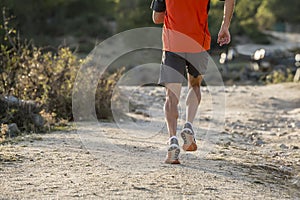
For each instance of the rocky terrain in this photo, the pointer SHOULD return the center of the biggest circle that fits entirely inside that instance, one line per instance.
(254, 155)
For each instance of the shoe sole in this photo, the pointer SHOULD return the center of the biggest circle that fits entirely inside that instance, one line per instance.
(173, 153)
(188, 140)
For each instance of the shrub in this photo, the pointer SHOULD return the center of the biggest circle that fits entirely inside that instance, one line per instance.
(280, 76)
(104, 94)
(41, 83)
(28, 73)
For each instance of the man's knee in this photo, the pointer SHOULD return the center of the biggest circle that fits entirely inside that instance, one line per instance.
(194, 87)
(171, 99)
(195, 82)
(171, 102)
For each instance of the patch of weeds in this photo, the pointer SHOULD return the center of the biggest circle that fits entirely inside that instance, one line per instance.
(7, 158)
(21, 138)
(65, 127)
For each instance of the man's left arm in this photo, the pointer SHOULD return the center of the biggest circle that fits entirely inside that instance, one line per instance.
(159, 10)
(158, 17)
(224, 34)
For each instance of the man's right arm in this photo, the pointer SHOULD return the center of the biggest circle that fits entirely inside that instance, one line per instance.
(228, 12)
(224, 34)
(159, 10)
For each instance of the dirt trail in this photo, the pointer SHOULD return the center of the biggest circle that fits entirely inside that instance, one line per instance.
(256, 155)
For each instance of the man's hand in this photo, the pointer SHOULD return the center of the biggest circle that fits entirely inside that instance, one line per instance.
(224, 36)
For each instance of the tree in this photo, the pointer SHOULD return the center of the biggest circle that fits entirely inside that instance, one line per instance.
(285, 11)
(264, 17)
(133, 14)
(47, 20)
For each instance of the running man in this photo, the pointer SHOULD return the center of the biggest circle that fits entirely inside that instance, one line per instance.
(186, 39)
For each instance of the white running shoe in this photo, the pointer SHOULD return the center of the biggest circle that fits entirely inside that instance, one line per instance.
(188, 136)
(173, 152)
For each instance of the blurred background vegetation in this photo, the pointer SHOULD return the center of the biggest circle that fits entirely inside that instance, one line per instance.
(43, 41)
(81, 24)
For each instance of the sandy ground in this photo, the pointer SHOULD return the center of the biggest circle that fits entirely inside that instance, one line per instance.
(255, 155)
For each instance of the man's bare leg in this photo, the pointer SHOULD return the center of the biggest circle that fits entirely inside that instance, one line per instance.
(171, 106)
(192, 102)
(193, 98)
(171, 113)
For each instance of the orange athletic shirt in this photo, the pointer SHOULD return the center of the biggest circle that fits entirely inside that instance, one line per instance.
(185, 26)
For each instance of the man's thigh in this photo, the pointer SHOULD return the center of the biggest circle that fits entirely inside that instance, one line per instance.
(173, 68)
(197, 63)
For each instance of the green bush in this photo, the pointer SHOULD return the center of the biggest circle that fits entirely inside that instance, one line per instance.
(28, 73)
(280, 76)
(104, 94)
(250, 28)
(42, 82)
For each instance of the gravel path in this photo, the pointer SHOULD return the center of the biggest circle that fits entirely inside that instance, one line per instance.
(255, 156)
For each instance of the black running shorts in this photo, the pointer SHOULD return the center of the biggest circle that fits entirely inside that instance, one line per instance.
(175, 66)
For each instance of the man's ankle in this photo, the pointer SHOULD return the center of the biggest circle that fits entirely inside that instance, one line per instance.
(173, 140)
(173, 137)
(187, 122)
